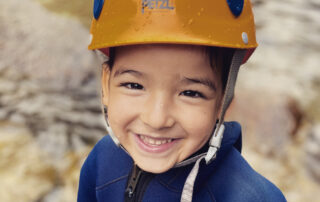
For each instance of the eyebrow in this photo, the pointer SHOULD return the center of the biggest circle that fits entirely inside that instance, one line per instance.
(203, 81)
(127, 71)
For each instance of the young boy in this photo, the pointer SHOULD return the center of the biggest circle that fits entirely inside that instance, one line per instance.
(167, 84)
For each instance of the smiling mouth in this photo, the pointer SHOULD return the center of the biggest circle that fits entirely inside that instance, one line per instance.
(155, 141)
(154, 145)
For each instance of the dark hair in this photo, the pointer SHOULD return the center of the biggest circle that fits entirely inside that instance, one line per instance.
(222, 59)
(112, 53)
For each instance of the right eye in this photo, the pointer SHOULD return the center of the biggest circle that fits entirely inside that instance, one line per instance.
(134, 86)
(192, 94)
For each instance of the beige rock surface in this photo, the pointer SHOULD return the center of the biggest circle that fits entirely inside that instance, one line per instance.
(49, 103)
(28, 173)
(24, 171)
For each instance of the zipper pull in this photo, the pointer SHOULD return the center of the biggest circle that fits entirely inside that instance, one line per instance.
(133, 180)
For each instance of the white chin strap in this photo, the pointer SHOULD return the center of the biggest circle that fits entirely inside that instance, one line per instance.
(216, 139)
(109, 129)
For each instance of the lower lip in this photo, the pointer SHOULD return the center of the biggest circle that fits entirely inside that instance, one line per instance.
(154, 148)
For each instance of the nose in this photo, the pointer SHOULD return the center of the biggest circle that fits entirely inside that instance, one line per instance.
(156, 112)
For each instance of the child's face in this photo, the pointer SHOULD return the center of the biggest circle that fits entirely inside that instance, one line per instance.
(162, 101)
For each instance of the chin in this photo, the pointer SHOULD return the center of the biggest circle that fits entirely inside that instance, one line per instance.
(155, 168)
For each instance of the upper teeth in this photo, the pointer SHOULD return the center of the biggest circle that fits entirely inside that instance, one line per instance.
(152, 141)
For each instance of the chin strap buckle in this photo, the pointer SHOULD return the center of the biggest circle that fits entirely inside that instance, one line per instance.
(215, 143)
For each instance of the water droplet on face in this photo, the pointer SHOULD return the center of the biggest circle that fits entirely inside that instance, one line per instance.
(202, 9)
(199, 13)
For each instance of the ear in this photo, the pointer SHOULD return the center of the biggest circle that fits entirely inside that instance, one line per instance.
(105, 76)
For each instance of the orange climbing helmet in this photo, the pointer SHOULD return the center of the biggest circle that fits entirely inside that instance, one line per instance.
(221, 23)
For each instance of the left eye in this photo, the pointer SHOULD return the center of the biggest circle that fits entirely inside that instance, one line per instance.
(193, 94)
(135, 86)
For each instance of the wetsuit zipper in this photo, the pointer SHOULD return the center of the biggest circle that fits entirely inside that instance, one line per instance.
(137, 184)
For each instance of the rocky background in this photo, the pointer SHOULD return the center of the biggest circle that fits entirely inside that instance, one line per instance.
(50, 101)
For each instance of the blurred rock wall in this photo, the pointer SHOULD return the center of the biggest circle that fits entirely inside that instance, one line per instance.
(50, 101)
(277, 97)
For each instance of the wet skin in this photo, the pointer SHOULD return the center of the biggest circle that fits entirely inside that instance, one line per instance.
(162, 101)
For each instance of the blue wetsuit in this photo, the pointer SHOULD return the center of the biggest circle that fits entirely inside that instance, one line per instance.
(108, 170)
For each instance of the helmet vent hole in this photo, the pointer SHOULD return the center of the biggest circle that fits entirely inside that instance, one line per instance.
(236, 6)
(97, 7)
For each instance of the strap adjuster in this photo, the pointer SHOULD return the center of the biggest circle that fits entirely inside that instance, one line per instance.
(215, 143)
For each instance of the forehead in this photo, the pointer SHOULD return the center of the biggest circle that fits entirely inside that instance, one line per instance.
(166, 63)
(157, 55)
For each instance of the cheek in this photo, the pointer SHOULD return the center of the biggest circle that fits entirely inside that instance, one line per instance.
(199, 122)
(120, 112)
